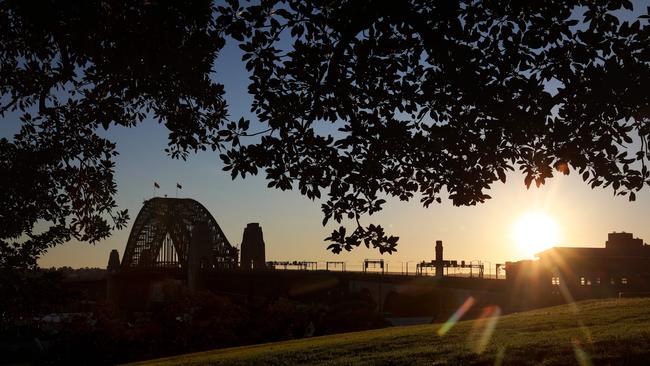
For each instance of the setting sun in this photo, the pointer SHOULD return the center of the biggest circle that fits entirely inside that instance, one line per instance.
(534, 232)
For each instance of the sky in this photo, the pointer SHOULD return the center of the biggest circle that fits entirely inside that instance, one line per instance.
(291, 223)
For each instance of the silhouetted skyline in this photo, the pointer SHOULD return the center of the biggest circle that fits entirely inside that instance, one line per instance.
(292, 222)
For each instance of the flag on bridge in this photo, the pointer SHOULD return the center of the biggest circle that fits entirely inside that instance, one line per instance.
(179, 186)
(156, 185)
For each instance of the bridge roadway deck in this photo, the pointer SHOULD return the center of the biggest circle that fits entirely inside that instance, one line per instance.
(313, 285)
(219, 275)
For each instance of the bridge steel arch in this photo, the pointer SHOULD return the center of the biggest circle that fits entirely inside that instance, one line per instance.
(161, 237)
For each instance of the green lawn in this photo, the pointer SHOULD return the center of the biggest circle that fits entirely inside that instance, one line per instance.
(615, 331)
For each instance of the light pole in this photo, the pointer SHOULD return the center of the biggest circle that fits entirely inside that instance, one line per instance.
(489, 268)
(479, 264)
(407, 267)
(471, 267)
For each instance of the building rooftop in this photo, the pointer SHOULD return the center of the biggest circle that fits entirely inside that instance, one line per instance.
(617, 245)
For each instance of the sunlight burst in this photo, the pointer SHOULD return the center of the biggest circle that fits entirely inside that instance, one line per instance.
(534, 232)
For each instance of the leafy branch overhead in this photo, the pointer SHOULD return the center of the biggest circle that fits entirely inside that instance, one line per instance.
(367, 99)
(70, 69)
(354, 101)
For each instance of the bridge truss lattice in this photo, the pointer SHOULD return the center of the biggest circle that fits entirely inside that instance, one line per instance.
(161, 236)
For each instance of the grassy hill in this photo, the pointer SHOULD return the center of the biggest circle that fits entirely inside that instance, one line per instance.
(615, 331)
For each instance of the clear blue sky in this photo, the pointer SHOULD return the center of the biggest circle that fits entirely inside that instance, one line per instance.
(292, 223)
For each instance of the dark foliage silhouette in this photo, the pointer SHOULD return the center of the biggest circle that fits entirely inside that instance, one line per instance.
(69, 69)
(355, 100)
(434, 96)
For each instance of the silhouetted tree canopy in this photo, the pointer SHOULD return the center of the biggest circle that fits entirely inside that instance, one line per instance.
(72, 68)
(354, 100)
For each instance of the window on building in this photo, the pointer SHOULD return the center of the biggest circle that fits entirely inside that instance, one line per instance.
(623, 281)
(582, 281)
(597, 280)
(612, 281)
(555, 281)
(588, 281)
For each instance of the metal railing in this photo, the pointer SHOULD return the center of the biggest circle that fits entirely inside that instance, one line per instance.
(395, 268)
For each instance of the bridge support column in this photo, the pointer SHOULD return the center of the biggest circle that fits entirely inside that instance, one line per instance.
(111, 282)
(198, 254)
(439, 261)
(252, 247)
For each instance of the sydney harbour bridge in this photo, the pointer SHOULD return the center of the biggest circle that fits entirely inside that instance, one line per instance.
(177, 233)
(178, 239)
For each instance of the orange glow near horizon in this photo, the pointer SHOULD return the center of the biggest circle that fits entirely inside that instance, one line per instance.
(534, 232)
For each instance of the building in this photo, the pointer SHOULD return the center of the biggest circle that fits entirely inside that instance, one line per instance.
(621, 267)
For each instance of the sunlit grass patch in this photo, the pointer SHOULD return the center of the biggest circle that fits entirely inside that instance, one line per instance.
(602, 331)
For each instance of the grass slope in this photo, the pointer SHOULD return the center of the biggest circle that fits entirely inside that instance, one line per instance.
(615, 331)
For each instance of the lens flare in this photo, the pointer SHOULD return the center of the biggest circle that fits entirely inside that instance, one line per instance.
(568, 297)
(501, 354)
(456, 316)
(487, 321)
(581, 356)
